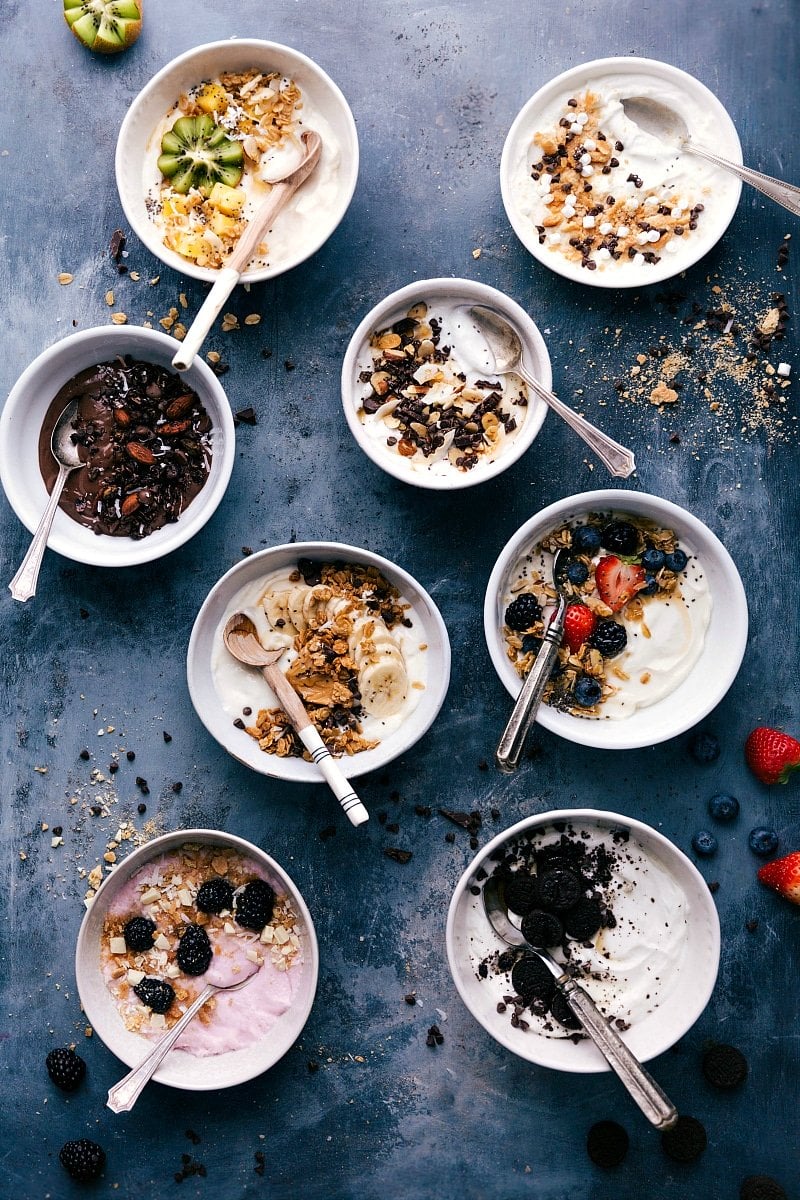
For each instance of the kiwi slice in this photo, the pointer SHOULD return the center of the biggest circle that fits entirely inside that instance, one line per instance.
(196, 153)
(105, 26)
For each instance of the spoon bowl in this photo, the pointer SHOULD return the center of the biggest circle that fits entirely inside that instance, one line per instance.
(506, 346)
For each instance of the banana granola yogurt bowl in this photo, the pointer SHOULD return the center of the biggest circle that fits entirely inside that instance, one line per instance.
(420, 392)
(595, 197)
(207, 138)
(190, 908)
(364, 646)
(656, 619)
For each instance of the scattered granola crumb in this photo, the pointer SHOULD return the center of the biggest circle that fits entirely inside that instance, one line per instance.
(64, 278)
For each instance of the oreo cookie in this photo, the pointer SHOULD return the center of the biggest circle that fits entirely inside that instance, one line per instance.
(761, 1187)
(521, 893)
(531, 979)
(542, 928)
(559, 889)
(583, 921)
(685, 1141)
(607, 1144)
(724, 1066)
(561, 1011)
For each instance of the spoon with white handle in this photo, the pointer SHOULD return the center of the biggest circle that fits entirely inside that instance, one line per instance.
(65, 452)
(243, 251)
(641, 1086)
(123, 1095)
(506, 346)
(241, 639)
(669, 126)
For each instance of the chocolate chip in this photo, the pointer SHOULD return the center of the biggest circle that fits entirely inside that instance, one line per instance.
(410, 998)
(177, 786)
(85, 755)
(141, 808)
(246, 416)
(167, 736)
(117, 244)
(130, 755)
(399, 856)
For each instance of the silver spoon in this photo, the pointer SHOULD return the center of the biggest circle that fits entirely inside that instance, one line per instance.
(506, 346)
(655, 1105)
(527, 703)
(65, 452)
(123, 1095)
(669, 126)
(241, 639)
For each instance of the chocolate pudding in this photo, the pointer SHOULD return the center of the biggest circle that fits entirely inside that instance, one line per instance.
(144, 439)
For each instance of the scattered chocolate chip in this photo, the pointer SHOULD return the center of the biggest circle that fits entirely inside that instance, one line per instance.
(84, 613)
(238, 722)
(713, 887)
(117, 244)
(607, 1144)
(399, 856)
(245, 416)
(193, 1137)
(423, 810)
(167, 736)
(288, 364)
(95, 810)
(130, 755)
(450, 837)
(57, 831)
(141, 808)
(177, 787)
(435, 1036)
(675, 439)
(142, 785)
(247, 712)
(313, 1066)
(85, 755)
(494, 813)
(752, 925)
(247, 551)
(410, 998)
(113, 767)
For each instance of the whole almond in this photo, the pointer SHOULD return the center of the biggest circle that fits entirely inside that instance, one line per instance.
(140, 453)
(173, 427)
(130, 504)
(179, 405)
(122, 416)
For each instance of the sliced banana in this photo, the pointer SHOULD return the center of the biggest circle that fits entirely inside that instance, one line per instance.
(276, 606)
(384, 687)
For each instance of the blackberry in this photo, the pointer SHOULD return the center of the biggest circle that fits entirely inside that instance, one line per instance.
(609, 637)
(542, 928)
(586, 539)
(531, 979)
(723, 807)
(82, 1159)
(65, 1068)
(653, 560)
(704, 843)
(583, 921)
(194, 951)
(559, 889)
(562, 1012)
(607, 1144)
(254, 905)
(587, 692)
(620, 537)
(139, 933)
(685, 1141)
(676, 561)
(704, 748)
(214, 895)
(523, 612)
(761, 1187)
(521, 893)
(724, 1066)
(157, 994)
(763, 842)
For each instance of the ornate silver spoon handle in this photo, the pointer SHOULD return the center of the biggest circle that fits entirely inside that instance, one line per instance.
(617, 458)
(659, 1110)
(785, 194)
(23, 585)
(522, 717)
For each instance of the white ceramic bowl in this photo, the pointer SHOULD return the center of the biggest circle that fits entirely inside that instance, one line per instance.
(470, 938)
(206, 642)
(21, 422)
(708, 121)
(190, 1072)
(725, 640)
(138, 148)
(372, 438)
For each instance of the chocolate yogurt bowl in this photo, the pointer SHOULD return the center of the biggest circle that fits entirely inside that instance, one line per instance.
(278, 999)
(644, 210)
(364, 644)
(309, 218)
(192, 461)
(653, 663)
(420, 353)
(649, 955)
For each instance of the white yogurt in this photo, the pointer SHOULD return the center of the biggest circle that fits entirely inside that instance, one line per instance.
(471, 357)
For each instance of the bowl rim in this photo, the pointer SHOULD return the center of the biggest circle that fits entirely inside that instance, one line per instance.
(123, 871)
(144, 230)
(532, 341)
(305, 772)
(103, 550)
(589, 732)
(624, 63)
(641, 830)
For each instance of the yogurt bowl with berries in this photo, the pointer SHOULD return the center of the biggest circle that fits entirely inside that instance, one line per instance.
(655, 625)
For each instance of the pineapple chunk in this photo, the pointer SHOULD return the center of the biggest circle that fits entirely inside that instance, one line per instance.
(213, 98)
(224, 227)
(175, 206)
(190, 245)
(227, 199)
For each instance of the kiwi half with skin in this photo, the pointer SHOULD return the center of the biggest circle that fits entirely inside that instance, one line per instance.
(196, 153)
(105, 26)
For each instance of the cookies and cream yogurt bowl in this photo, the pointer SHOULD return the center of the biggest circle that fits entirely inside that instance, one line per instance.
(420, 392)
(656, 624)
(598, 199)
(363, 643)
(641, 934)
(136, 974)
(240, 107)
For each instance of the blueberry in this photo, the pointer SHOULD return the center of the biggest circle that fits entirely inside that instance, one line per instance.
(620, 537)
(653, 560)
(704, 843)
(531, 643)
(676, 561)
(587, 692)
(651, 586)
(577, 572)
(704, 747)
(723, 808)
(763, 842)
(586, 539)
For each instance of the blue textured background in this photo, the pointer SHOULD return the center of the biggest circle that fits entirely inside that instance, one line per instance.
(434, 89)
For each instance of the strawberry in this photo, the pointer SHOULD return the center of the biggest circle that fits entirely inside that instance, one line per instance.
(579, 623)
(618, 582)
(783, 876)
(771, 755)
